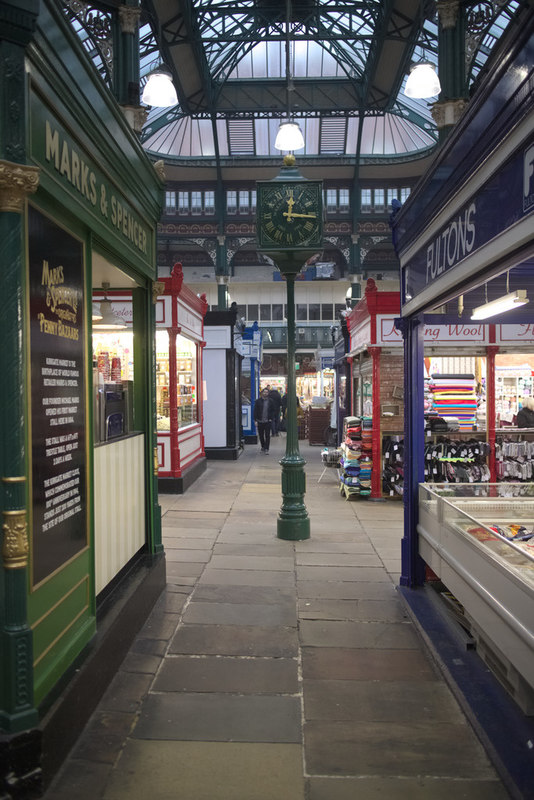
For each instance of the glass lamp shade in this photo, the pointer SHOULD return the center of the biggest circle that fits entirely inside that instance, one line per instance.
(159, 89)
(289, 137)
(96, 315)
(422, 82)
(109, 319)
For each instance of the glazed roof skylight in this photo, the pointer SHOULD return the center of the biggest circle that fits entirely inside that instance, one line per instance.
(349, 61)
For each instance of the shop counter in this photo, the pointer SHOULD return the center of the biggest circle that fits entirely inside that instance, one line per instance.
(119, 475)
(475, 537)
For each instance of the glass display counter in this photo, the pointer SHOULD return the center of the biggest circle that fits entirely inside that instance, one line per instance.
(479, 540)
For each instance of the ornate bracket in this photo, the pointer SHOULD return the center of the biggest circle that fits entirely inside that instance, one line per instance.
(16, 182)
(15, 547)
(129, 18)
(448, 13)
(158, 288)
(448, 113)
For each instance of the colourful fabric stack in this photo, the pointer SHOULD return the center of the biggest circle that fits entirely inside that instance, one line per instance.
(351, 451)
(366, 463)
(455, 396)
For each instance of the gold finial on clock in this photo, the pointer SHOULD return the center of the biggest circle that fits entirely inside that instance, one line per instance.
(289, 160)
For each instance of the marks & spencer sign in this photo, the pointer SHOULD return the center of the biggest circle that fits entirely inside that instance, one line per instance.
(72, 167)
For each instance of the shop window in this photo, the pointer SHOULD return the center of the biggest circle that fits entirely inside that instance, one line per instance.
(392, 194)
(265, 311)
(183, 203)
(337, 201)
(253, 201)
(327, 311)
(196, 203)
(344, 201)
(170, 202)
(379, 200)
(331, 200)
(302, 311)
(314, 311)
(253, 312)
(404, 193)
(244, 202)
(113, 375)
(209, 203)
(186, 381)
(277, 312)
(231, 202)
(241, 312)
(366, 201)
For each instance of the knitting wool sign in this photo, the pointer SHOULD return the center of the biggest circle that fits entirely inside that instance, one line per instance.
(458, 334)
(516, 334)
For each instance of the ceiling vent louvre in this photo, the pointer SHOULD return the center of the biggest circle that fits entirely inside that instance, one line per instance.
(333, 135)
(241, 137)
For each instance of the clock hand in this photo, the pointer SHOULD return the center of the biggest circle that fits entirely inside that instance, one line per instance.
(293, 214)
(290, 204)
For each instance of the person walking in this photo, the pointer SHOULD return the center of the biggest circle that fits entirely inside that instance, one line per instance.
(264, 413)
(276, 397)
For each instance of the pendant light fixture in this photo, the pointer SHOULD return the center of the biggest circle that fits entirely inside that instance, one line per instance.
(289, 135)
(423, 81)
(159, 89)
(96, 315)
(109, 320)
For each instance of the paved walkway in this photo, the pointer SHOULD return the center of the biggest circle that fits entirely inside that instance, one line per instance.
(273, 670)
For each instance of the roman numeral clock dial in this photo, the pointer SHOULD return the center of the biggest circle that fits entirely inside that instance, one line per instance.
(289, 214)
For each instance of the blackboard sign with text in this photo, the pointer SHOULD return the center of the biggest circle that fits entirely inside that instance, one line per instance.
(58, 395)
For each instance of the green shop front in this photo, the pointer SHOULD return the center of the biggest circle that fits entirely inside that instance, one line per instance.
(81, 525)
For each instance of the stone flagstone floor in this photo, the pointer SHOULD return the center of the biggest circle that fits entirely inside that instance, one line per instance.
(273, 669)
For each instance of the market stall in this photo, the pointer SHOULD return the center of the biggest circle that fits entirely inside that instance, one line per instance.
(466, 247)
(221, 374)
(251, 349)
(179, 386)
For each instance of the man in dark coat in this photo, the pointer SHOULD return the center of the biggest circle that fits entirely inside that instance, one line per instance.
(276, 397)
(264, 413)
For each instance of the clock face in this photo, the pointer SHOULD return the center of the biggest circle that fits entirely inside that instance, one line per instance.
(289, 214)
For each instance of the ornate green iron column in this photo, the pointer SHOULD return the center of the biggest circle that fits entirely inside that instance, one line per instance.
(293, 522)
(289, 228)
(17, 181)
(126, 82)
(451, 65)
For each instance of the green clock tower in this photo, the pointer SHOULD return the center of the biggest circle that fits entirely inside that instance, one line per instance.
(289, 227)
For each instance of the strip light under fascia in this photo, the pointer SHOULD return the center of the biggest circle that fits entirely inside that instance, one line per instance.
(501, 304)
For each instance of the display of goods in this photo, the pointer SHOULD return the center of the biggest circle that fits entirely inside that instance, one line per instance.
(103, 365)
(115, 369)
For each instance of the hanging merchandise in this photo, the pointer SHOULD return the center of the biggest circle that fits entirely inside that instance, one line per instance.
(393, 466)
(514, 460)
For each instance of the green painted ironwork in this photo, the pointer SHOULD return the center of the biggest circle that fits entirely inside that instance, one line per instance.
(17, 711)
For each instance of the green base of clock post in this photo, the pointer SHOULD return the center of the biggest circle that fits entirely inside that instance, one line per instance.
(293, 522)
